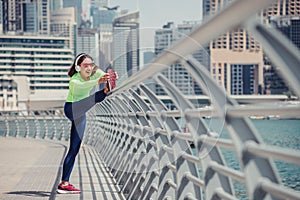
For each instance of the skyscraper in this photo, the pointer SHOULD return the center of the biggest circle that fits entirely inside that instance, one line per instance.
(63, 24)
(236, 52)
(56, 4)
(36, 16)
(126, 45)
(98, 3)
(1, 16)
(280, 8)
(12, 17)
(166, 37)
(26, 16)
(77, 4)
(102, 20)
(88, 42)
(236, 59)
(283, 15)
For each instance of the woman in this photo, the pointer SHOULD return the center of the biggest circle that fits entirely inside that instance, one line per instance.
(84, 76)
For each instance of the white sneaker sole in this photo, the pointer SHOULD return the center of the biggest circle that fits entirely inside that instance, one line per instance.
(67, 192)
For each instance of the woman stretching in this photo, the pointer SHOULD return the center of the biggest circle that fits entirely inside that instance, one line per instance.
(84, 76)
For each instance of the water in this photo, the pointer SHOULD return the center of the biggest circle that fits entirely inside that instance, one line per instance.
(281, 133)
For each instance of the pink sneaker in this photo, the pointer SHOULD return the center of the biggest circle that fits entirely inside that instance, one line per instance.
(111, 84)
(67, 189)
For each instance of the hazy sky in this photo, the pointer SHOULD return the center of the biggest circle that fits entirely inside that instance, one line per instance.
(156, 13)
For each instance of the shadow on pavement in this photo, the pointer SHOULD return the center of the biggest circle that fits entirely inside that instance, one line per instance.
(31, 193)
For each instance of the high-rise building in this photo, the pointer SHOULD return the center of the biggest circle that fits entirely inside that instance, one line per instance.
(148, 56)
(246, 74)
(165, 38)
(12, 17)
(43, 60)
(30, 21)
(88, 42)
(236, 59)
(236, 52)
(63, 24)
(283, 15)
(126, 45)
(289, 26)
(98, 3)
(280, 8)
(102, 20)
(26, 16)
(1, 16)
(56, 5)
(77, 4)
(36, 16)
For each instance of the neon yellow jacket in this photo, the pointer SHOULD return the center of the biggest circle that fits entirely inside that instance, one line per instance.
(79, 88)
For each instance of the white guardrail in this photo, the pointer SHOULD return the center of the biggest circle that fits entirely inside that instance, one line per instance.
(156, 153)
(153, 152)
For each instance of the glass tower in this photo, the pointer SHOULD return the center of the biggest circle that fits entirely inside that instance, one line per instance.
(126, 45)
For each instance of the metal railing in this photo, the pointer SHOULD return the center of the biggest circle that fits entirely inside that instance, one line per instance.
(156, 153)
(153, 152)
(40, 124)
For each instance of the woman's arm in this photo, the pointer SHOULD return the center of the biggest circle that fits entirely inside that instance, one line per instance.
(78, 85)
(97, 73)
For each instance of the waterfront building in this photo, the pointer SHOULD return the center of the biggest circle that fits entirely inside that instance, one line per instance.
(290, 27)
(237, 61)
(43, 60)
(280, 8)
(126, 45)
(283, 15)
(63, 24)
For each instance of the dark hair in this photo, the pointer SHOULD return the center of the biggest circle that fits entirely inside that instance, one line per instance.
(82, 56)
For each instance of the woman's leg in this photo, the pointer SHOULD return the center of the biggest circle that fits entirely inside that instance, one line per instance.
(76, 113)
(78, 109)
(77, 131)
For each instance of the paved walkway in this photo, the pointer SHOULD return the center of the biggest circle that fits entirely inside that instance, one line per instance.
(31, 169)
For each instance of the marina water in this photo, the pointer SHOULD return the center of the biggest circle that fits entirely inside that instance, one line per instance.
(282, 133)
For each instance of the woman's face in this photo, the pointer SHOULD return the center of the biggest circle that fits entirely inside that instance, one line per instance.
(87, 66)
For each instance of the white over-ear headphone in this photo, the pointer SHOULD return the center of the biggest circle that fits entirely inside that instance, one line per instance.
(77, 67)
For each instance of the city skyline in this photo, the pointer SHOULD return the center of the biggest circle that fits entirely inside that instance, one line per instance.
(154, 14)
(234, 59)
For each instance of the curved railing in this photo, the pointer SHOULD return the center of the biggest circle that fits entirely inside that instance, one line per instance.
(157, 153)
(153, 152)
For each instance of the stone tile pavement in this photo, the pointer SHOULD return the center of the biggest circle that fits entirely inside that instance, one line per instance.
(31, 169)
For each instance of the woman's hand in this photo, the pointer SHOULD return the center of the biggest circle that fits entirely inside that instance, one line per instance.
(104, 78)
